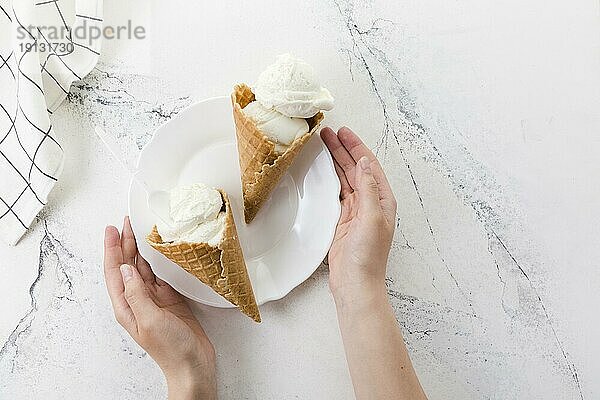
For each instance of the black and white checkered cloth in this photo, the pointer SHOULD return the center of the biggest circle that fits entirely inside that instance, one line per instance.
(37, 67)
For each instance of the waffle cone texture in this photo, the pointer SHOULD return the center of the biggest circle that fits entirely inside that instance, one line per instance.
(221, 267)
(261, 167)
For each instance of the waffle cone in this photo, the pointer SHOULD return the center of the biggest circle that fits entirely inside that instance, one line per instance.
(261, 167)
(221, 267)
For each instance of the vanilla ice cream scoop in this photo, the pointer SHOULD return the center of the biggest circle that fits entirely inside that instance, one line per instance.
(196, 216)
(210, 232)
(291, 87)
(280, 129)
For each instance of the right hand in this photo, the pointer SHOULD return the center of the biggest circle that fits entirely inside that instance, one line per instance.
(358, 255)
(158, 319)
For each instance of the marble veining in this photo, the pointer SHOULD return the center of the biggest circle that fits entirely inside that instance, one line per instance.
(470, 279)
(401, 130)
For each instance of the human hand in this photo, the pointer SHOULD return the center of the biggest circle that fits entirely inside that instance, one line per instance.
(158, 318)
(358, 255)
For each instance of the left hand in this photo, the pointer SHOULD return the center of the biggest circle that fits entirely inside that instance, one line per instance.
(158, 318)
(360, 248)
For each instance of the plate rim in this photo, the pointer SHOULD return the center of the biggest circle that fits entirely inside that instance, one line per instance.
(309, 271)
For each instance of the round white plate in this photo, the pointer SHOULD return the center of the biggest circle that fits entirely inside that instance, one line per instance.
(289, 237)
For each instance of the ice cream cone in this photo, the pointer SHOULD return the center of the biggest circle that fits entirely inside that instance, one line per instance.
(221, 267)
(261, 167)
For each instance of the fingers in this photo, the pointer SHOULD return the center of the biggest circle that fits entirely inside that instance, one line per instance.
(160, 282)
(145, 270)
(138, 296)
(112, 248)
(345, 188)
(330, 139)
(113, 258)
(340, 155)
(131, 255)
(346, 149)
(128, 243)
(357, 149)
(368, 192)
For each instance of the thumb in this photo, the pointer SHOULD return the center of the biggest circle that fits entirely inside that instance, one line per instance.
(368, 192)
(136, 294)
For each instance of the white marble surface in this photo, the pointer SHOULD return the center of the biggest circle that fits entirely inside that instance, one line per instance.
(485, 115)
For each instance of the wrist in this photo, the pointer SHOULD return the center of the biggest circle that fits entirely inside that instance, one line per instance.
(360, 298)
(191, 383)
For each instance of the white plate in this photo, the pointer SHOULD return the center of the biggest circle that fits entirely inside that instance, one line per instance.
(291, 234)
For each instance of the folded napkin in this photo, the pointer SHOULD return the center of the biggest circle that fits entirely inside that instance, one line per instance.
(40, 58)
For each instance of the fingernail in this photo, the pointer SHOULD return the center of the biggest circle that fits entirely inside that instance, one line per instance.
(365, 165)
(126, 272)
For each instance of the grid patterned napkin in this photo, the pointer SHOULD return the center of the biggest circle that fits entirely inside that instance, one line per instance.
(39, 60)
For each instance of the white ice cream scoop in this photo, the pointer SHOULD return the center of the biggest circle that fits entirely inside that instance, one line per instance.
(280, 128)
(292, 87)
(196, 212)
(158, 200)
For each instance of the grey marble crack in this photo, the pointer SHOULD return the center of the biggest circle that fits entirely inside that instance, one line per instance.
(119, 101)
(388, 128)
(402, 128)
(52, 255)
(567, 360)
